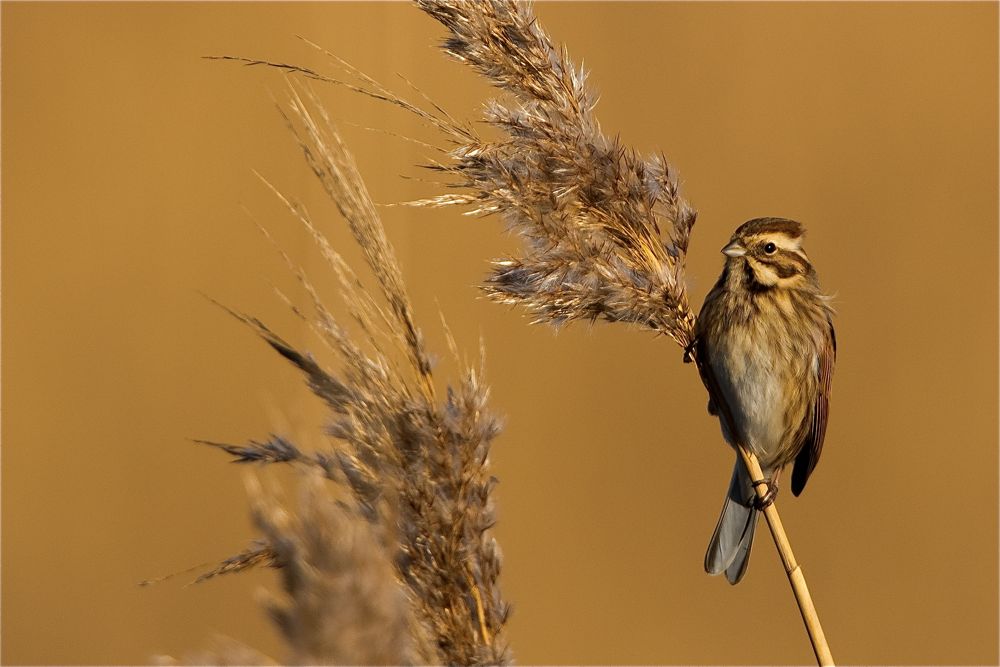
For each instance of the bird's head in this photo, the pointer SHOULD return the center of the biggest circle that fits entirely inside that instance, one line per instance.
(769, 252)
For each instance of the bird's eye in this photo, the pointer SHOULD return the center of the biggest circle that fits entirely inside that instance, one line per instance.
(770, 248)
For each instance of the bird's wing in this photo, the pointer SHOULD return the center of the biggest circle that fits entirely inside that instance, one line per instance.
(812, 447)
(717, 403)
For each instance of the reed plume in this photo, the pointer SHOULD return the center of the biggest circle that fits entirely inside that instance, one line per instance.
(393, 562)
(605, 231)
(342, 602)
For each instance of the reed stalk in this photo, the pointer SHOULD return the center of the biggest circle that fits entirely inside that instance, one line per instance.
(796, 578)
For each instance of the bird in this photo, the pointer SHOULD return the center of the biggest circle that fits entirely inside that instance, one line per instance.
(766, 349)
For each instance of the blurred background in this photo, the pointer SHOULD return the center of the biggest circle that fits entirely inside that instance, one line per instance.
(128, 192)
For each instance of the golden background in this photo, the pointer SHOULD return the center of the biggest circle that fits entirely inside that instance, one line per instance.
(127, 165)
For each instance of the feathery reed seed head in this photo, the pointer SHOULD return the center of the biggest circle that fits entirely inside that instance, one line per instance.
(400, 566)
(605, 231)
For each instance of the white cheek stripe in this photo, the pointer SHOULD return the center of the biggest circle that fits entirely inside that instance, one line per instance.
(764, 274)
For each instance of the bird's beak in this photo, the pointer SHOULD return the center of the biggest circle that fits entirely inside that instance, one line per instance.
(734, 249)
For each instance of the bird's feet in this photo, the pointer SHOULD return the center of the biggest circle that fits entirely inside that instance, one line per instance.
(761, 503)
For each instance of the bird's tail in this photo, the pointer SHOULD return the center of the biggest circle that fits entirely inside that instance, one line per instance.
(729, 550)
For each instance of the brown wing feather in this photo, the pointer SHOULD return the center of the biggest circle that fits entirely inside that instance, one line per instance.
(812, 447)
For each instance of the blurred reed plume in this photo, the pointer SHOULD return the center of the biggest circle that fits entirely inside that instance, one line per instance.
(389, 558)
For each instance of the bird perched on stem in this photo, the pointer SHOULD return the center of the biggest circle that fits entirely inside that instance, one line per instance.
(766, 349)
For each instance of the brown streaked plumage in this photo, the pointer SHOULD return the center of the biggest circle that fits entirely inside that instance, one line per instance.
(767, 347)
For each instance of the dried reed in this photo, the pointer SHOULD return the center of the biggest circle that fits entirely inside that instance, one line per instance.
(590, 211)
(389, 558)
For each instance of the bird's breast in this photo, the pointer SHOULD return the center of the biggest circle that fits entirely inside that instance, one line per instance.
(754, 386)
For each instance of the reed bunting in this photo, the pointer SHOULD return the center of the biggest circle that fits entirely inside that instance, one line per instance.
(766, 350)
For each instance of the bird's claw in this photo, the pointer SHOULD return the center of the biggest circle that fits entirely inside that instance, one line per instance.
(761, 503)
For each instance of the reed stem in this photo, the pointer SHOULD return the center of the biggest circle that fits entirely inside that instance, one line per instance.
(792, 568)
